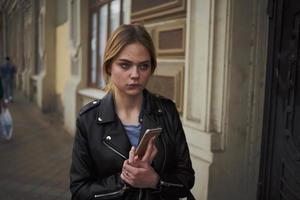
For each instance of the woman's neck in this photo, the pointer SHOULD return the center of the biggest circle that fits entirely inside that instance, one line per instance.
(128, 108)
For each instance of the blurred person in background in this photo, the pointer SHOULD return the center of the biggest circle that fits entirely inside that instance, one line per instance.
(7, 73)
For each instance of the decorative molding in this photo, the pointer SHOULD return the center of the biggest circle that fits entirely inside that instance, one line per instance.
(74, 10)
(199, 38)
(207, 74)
(75, 65)
(180, 40)
(75, 27)
(75, 52)
(41, 34)
(199, 141)
(219, 109)
(161, 10)
(172, 74)
(163, 27)
(27, 37)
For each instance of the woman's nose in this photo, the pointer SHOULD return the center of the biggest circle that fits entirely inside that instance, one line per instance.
(135, 72)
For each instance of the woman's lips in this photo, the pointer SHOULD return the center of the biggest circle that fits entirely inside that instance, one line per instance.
(134, 85)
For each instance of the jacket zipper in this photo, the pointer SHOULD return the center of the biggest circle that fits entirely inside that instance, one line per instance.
(119, 191)
(168, 184)
(110, 194)
(114, 150)
(140, 194)
(113, 193)
(165, 155)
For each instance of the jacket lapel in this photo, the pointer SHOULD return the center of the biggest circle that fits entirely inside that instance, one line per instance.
(151, 113)
(114, 134)
(116, 137)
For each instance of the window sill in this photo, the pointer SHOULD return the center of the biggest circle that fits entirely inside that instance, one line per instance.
(92, 93)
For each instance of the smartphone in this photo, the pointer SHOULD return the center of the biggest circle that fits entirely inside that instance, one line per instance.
(142, 147)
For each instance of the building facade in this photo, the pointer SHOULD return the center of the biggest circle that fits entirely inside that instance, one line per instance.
(211, 61)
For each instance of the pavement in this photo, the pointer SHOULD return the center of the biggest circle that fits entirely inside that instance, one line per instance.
(35, 163)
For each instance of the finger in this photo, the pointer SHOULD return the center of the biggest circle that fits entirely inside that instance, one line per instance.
(136, 157)
(128, 167)
(125, 178)
(124, 172)
(126, 175)
(122, 176)
(131, 155)
(153, 154)
(148, 150)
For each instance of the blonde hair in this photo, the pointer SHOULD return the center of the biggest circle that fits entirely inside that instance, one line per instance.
(124, 35)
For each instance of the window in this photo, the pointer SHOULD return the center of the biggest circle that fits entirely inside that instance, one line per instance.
(105, 17)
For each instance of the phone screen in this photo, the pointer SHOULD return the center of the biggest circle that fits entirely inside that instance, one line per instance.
(150, 133)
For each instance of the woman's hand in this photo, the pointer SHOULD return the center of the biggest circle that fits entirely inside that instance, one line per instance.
(139, 172)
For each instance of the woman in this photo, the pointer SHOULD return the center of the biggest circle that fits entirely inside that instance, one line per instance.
(104, 165)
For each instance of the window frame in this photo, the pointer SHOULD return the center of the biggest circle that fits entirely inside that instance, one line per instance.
(92, 9)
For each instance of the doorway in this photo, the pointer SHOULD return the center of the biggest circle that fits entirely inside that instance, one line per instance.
(280, 156)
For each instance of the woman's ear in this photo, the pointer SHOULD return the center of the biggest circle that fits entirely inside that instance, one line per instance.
(109, 69)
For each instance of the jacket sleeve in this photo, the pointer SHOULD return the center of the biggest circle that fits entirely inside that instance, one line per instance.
(180, 179)
(84, 183)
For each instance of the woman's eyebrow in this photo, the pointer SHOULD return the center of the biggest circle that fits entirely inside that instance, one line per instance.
(128, 61)
(146, 61)
(124, 60)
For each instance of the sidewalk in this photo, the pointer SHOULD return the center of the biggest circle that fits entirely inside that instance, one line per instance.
(35, 163)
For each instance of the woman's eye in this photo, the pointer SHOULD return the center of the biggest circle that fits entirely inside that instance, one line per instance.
(144, 66)
(124, 65)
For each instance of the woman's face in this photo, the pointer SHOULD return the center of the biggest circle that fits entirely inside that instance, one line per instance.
(131, 69)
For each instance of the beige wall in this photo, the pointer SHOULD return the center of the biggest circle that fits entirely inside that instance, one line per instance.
(62, 63)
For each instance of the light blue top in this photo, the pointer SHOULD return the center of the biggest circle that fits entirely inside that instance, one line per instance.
(133, 133)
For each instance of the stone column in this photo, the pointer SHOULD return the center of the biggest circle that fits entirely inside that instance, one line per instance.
(78, 13)
(45, 79)
(224, 85)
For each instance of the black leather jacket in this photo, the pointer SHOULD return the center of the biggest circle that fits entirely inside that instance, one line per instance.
(101, 146)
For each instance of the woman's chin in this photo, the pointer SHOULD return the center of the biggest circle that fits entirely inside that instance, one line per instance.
(134, 92)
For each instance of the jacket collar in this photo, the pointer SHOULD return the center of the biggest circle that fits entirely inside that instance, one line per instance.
(152, 106)
(151, 112)
(107, 109)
